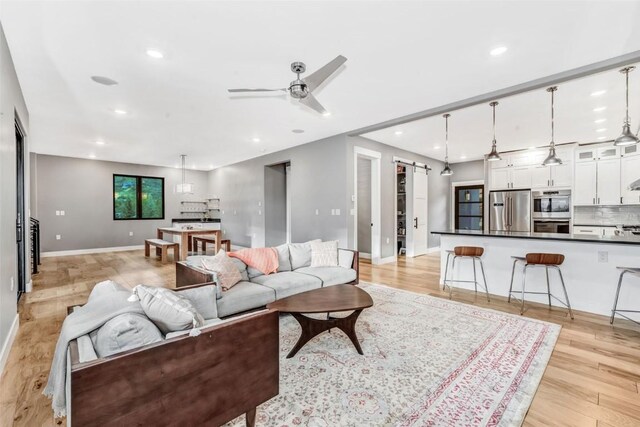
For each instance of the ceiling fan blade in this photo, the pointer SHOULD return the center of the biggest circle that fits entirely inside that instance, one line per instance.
(315, 79)
(255, 90)
(312, 102)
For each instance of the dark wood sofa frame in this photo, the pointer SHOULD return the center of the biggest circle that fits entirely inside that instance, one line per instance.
(209, 379)
(187, 275)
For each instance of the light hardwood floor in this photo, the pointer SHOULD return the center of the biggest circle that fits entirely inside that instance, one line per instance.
(592, 378)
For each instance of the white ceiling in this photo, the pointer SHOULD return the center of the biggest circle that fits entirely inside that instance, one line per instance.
(403, 57)
(524, 120)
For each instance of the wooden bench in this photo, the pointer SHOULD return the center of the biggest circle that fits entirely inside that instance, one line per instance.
(203, 240)
(164, 246)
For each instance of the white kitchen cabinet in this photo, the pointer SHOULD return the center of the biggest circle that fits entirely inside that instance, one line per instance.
(588, 154)
(629, 172)
(608, 152)
(521, 177)
(585, 183)
(561, 175)
(608, 187)
(500, 179)
(587, 230)
(540, 176)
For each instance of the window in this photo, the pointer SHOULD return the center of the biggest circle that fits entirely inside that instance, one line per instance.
(469, 207)
(138, 197)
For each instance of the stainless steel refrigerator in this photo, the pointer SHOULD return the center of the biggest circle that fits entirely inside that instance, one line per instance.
(510, 210)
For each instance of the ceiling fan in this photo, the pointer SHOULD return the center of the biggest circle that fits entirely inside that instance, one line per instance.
(302, 89)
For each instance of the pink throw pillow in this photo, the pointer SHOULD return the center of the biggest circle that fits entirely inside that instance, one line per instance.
(224, 268)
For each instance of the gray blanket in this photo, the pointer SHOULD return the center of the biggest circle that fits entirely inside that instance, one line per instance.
(107, 300)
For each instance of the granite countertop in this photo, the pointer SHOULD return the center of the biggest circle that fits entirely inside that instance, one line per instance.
(203, 220)
(632, 240)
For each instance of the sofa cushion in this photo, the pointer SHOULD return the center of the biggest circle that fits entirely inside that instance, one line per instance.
(324, 254)
(288, 283)
(345, 258)
(284, 262)
(227, 273)
(244, 296)
(203, 299)
(330, 275)
(195, 261)
(300, 254)
(124, 332)
(169, 310)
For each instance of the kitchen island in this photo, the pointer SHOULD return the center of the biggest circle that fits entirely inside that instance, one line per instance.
(589, 268)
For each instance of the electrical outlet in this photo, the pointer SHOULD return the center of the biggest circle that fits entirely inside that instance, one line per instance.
(259, 204)
(224, 231)
(58, 237)
(387, 240)
(221, 212)
(603, 256)
(259, 211)
(131, 233)
(57, 213)
(353, 197)
(352, 212)
(317, 212)
(337, 211)
(13, 284)
(235, 212)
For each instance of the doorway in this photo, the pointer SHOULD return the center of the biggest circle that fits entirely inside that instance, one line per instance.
(469, 207)
(21, 221)
(366, 228)
(277, 206)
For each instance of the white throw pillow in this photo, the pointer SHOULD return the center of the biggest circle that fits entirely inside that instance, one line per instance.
(324, 254)
(300, 254)
(169, 310)
(124, 332)
(225, 269)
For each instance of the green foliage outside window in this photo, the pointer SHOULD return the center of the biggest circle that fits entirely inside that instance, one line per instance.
(137, 197)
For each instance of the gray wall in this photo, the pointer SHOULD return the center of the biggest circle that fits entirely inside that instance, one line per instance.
(318, 176)
(275, 204)
(364, 205)
(468, 171)
(84, 190)
(438, 197)
(11, 103)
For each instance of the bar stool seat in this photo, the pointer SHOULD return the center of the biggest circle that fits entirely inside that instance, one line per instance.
(614, 311)
(539, 260)
(473, 252)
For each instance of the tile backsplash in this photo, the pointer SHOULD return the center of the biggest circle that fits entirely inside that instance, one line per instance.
(607, 215)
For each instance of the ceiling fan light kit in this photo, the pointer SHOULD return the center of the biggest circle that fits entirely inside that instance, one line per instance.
(494, 155)
(447, 171)
(552, 159)
(627, 137)
(301, 89)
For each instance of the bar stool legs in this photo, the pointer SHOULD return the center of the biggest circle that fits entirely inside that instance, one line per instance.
(475, 279)
(615, 310)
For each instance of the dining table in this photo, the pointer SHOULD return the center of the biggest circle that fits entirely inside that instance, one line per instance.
(185, 237)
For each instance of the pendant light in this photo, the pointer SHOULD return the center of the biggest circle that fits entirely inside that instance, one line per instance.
(447, 171)
(552, 159)
(184, 187)
(627, 137)
(493, 155)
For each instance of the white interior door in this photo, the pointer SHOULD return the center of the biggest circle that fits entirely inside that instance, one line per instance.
(417, 228)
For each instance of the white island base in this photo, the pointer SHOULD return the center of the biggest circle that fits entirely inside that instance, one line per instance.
(589, 270)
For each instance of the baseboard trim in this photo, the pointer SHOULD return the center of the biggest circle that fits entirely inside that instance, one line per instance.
(29, 286)
(387, 260)
(91, 251)
(365, 255)
(433, 249)
(8, 343)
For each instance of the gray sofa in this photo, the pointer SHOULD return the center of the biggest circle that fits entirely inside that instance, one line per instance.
(256, 290)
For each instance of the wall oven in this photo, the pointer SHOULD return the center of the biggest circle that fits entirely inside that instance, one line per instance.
(552, 204)
(556, 226)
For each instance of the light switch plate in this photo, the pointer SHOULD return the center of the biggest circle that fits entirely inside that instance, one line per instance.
(131, 233)
(337, 211)
(57, 213)
(13, 284)
(61, 213)
(603, 256)
(259, 211)
(58, 237)
(317, 212)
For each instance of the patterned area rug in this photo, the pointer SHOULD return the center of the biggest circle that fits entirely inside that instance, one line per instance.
(428, 362)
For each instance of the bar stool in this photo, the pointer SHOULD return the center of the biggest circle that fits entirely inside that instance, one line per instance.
(472, 252)
(539, 260)
(632, 270)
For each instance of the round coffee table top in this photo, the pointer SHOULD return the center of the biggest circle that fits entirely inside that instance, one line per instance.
(324, 300)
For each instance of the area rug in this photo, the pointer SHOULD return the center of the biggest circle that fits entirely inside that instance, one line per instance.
(427, 362)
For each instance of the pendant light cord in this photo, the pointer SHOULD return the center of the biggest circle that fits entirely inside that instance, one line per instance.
(446, 141)
(626, 72)
(494, 121)
(552, 90)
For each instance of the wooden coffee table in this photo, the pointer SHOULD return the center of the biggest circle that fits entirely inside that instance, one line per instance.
(325, 300)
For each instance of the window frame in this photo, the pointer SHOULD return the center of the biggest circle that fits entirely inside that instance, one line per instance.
(138, 179)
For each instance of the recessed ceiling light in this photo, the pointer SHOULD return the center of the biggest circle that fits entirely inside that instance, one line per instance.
(398, 132)
(99, 142)
(154, 53)
(602, 137)
(297, 130)
(598, 109)
(598, 93)
(104, 80)
(120, 112)
(255, 139)
(436, 147)
(92, 156)
(600, 121)
(601, 130)
(498, 50)
(326, 113)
